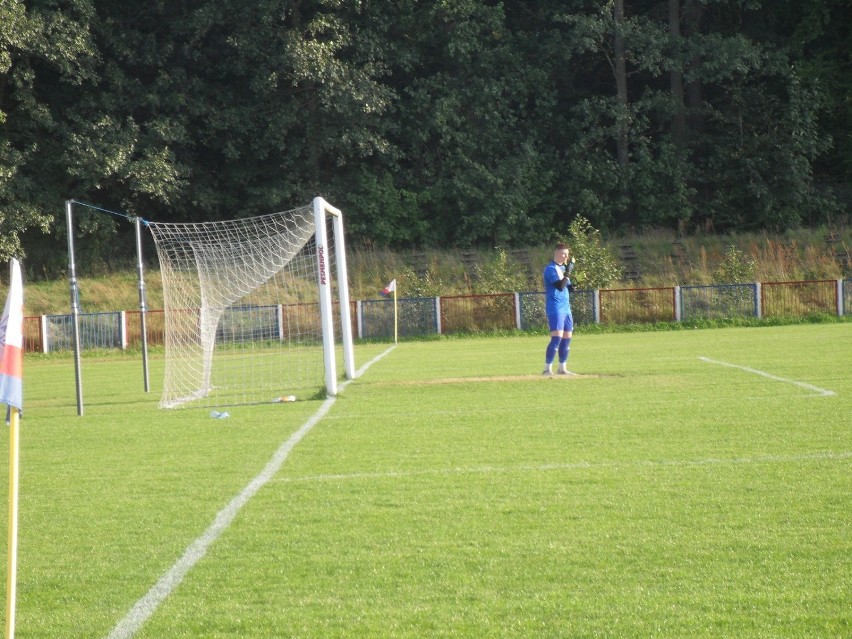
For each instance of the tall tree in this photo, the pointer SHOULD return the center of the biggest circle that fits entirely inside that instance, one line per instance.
(819, 38)
(451, 123)
(218, 109)
(44, 47)
(754, 149)
(465, 142)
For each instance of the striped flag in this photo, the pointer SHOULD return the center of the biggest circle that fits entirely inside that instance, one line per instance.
(12, 341)
(11, 394)
(390, 288)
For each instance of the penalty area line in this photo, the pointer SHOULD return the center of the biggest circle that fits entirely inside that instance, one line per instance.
(147, 605)
(822, 392)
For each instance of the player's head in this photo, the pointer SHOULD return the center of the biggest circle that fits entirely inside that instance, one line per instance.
(561, 253)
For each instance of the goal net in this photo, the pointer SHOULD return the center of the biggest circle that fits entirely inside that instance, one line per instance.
(249, 312)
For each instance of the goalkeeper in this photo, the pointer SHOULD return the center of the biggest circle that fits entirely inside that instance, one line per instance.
(557, 290)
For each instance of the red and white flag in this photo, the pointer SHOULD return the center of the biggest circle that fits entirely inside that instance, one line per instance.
(390, 288)
(12, 341)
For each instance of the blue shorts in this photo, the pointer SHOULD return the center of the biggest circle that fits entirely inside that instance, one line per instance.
(560, 322)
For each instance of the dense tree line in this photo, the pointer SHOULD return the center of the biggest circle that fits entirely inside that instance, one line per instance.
(445, 122)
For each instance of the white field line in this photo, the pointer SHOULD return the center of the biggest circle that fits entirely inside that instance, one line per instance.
(580, 465)
(146, 606)
(822, 392)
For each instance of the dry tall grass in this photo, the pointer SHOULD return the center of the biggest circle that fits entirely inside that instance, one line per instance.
(660, 258)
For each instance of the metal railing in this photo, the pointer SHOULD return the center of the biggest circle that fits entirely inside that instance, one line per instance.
(418, 316)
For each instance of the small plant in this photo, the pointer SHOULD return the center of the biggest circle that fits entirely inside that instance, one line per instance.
(596, 266)
(735, 268)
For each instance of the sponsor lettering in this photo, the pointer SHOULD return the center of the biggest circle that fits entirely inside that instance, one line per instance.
(321, 253)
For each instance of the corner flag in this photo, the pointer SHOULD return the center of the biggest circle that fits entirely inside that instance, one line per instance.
(387, 290)
(12, 341)
(390, 288)
(11, 394)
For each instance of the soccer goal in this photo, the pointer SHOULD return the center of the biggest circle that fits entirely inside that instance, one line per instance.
(250, 314)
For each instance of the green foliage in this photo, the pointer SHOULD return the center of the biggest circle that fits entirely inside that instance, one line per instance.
(596, 266)
(735, 268)
(45, 52)
(500, 274)
(463, 124)
(385, 213)
(427, 284)
(817, 43)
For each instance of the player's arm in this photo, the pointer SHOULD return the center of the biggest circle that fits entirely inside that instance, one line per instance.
(560, 283)
(564, 283)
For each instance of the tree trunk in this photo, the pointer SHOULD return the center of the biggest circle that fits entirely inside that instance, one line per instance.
(620, 85)
(678, 123)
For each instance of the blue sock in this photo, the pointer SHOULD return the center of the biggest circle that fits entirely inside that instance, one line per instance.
(550, 353)
(564, 349)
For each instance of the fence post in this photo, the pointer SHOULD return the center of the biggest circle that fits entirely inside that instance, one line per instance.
(517, 297)
(122, 329)
(45, 335)
(678, 304)
(359, 318)
(596, 304)
(840, 297)
(280, 316)
(438, 314)
(758, 300)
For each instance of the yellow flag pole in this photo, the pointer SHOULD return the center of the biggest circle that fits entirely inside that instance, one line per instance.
(12, 573)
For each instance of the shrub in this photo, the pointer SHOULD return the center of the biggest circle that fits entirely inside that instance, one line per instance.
(735, 268)
(596, 266)
(500, 275)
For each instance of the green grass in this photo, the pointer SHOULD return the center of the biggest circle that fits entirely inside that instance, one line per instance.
(452, 492)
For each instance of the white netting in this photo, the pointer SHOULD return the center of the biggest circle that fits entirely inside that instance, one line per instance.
(241, 309)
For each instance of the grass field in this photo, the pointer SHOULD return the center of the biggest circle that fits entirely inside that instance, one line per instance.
(451, 491)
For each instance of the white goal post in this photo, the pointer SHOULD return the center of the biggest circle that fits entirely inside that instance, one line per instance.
(249, 308)
(322, 210)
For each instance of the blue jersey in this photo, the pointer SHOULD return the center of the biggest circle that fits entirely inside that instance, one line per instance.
(555, 301)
